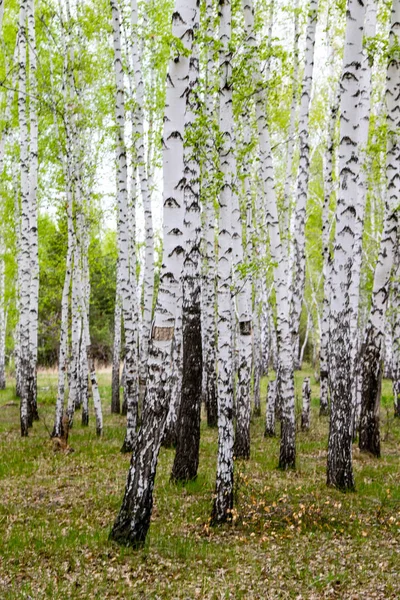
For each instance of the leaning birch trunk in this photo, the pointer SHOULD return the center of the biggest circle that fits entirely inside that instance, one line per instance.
(223, 500)
(306, 396)
(270, 410)
(133, 520)
(372, 367)
(339, 467)
(188, 423)
(299, 214)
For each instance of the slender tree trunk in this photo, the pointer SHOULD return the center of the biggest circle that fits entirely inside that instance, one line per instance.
(306, 395)
(340, 468)
(63, 352)
(299, 223)
(3, 319)
(115, 378)
(145, 185)
(25, 271)
(270, 410)
(127, 272)
(171, 425)
(327, 264)
(363, 109)
(208, 282)
(33, 210)
(223, 501)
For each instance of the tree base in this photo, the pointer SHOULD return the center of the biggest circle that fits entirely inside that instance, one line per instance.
(126, 447)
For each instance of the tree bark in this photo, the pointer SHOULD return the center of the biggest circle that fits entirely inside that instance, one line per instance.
(270, 410)
(339, 468)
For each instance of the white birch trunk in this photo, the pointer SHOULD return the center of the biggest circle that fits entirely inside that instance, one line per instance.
(25, 271)
(364, 115)
(3, 319)
(170, 431)
(326, 228)
(223, 500)
(339, 468)
(127, 264)
(208, 287)
(33, 209)
(396, 338)
(115, 377)
(145, 185)
(299, 214)
(63, 351)
(186, 460)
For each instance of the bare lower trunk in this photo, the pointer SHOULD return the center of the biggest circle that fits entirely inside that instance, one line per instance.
(115, 378)
(270, 411)
(306, 394)
(369, 439)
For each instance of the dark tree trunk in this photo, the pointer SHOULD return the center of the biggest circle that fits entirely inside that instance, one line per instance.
(324, 383)
(115, 391)
(340, 467)
(243, 410)
(188, 426)
(305, 415)
(369, 436)
(211, 397)
(287, 453)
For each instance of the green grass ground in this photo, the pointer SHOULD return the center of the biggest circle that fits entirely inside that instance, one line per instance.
(292, 537)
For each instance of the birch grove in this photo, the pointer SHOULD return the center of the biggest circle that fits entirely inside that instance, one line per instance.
(199, 233)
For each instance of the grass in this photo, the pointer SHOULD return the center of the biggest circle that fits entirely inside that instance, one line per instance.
(291, 537)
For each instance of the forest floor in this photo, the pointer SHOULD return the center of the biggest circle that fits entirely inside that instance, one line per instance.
(292, 537)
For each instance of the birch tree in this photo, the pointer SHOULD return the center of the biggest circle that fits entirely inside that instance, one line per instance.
(340, 470)
(223, 500)
(299, 213)
(188, 423)
(126, 273)
(133, 520)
